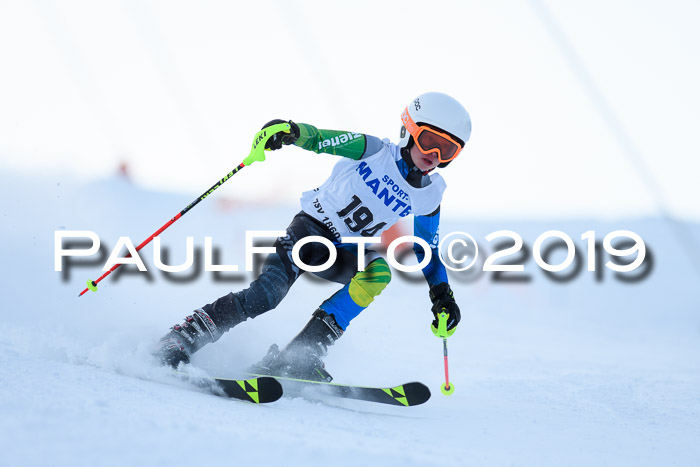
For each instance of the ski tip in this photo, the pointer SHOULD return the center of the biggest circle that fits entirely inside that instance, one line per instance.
(416, 393)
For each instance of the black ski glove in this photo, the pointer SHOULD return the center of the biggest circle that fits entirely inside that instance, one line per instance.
(442, 297)
(282, 138)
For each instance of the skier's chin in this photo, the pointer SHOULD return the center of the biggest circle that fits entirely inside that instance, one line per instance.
(426, 165)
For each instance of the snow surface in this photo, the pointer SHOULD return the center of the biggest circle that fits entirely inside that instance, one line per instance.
(582, 373)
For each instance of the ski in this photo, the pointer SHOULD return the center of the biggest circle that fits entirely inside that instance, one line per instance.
(259, 389)
(404, 395)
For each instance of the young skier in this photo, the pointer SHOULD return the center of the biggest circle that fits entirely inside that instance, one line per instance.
(371, 187)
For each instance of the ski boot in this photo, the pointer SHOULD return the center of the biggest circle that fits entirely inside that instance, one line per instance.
(185, 339)
(301, 359)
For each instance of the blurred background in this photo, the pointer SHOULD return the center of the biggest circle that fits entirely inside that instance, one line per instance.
(579, 109)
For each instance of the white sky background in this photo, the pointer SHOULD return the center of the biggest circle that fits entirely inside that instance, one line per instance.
(178, 89)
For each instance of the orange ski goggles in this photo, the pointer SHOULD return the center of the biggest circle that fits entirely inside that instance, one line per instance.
(429, 140)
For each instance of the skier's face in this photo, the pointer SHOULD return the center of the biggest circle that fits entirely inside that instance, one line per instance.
(424, 162)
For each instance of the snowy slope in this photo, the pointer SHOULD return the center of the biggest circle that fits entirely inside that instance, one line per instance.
(583, 373)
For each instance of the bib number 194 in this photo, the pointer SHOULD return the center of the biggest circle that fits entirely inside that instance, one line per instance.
(357, 217)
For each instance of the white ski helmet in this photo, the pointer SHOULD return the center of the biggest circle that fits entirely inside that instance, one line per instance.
(441, 112)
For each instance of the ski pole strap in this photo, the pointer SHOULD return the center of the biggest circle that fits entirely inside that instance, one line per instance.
(257, 151)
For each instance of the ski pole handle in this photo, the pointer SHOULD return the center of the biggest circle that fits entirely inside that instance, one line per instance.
(441, 330)
(257, 153)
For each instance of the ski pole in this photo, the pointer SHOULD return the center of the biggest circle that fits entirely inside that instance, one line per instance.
(257, 153)
(441, 331)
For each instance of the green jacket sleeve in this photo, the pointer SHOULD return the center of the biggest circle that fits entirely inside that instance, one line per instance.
(339, 143)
